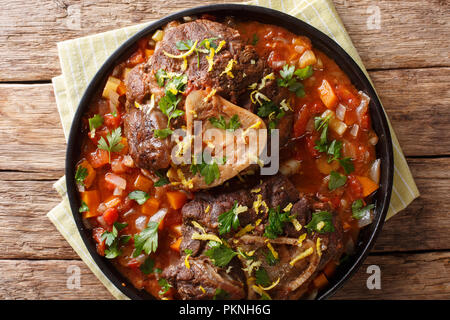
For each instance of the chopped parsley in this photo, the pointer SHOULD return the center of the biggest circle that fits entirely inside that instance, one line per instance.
(147, 240)
(95, 122)
(221, 123)
(161, 76)
(114, 144)
(220, 254)
(162, 133)
(347, 164)
(337, 180)
(255, 39)
(112, 240)
(221, 294)
(162, 180)
(187, 251)
(84, 207)
(228, 220)
(267, 108)
(270, 258)
(165, 286)
(209, 171)
(262, 278)
(80, 175)
(358, 209)
(321, 222)
(140, 196)
(276, 223)
(148, 266)
(290, 78)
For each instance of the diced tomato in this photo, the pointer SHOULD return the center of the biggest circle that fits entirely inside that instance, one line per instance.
(365, 122)
(98, 158)
(97, 235)
(136, 58)
(303, 118)
(348, 96)
(110, 216)
(112, 122)
(354, 187)
(134, 263)
(310, 144)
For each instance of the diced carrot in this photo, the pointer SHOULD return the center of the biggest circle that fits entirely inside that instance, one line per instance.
(327, 95)
(320, 281)
(124, 142)
(91, 173)
(122, 89)
(149, 53)
(110, 216)
(368, 185)
(98, 158)
(142, 183)
(176, 245)
(329, 269)
(176, 199)
(92, 200)
(150, 206)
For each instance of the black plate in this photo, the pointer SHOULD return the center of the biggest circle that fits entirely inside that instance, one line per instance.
(320, 41)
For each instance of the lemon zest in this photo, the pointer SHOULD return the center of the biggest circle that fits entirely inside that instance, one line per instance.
(210, 94)
(205, 237)
(302, 255)
(256, 190)
(260, 291)
(186, 261)
(320, 225)
(198, 226)
(301, 239)
(210, 59)
(319, 251)
(297, 225)
(220, 46)
(273, 285)
(183, 55)
(245, 230)
(228, 68)
(274, 253)
(202, 289)
(207, 208)
(288, 207)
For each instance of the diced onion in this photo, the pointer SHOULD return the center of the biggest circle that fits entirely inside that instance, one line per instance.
(141, 223)
(278, 64)
(116, 180)
(128, 161)
(299, 49)
(363, 106)
(159, 215)
(280, 39)
(355, 130)
(340, 112)
(338, 126)
(366, 220)
(290, 167)
(117, 191)
(375, 171)
(308, 58)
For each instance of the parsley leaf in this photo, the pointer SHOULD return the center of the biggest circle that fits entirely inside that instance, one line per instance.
(114, 138)
(162, 180)
(228, 220)
(112, 241)
(162, 133)
(84, 207)
(148, 266)
(95, 122)
(80, 175)
(337, 180)
(221, 294)
(187, 251)
(276, 223)
(304, 73)
(165, 286)
(347, 164)
(262, 278)
(322, 222)
(147, 240)
(220, 254)
(255, 39)
(267, 108)
(221, 123)
(334, 150)
(358, 211)
(140, 196)
(161, 76)
(270, 258)
(209, 171)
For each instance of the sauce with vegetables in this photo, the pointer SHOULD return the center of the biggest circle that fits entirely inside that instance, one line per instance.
(139, 212)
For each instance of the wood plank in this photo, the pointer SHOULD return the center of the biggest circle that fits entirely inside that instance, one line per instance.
(403, 276)
(28, 234)
(412, 33)
(31, 129)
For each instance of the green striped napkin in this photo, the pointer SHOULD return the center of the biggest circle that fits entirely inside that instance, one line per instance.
(81, 58)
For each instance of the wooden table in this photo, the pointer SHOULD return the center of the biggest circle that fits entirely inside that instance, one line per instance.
(408, 59)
